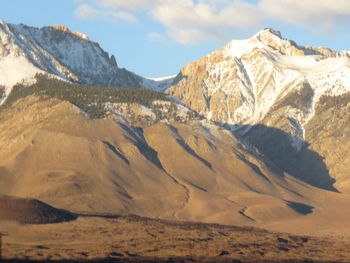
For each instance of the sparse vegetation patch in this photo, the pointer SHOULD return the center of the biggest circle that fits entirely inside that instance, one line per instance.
(90, 99)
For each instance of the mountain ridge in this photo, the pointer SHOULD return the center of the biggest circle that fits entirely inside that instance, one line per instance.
(234, 71)
(68, 55)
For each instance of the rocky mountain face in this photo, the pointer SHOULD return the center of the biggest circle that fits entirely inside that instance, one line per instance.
(25, 51)
(269, 81)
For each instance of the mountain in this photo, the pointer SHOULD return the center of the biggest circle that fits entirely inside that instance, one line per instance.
(269, 81)
(183, 169)
(26, 51)
(253, 134)
(240, 83)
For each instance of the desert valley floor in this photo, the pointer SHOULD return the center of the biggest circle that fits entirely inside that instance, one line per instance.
(136, 239)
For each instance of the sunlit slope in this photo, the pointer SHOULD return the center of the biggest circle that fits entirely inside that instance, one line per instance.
(52, 151)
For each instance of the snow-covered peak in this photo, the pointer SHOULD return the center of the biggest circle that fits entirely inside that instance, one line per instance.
(242, 82)
(57, 50)
(272, 42)
(238, 48)
(272, 38)
(267, 39)
(60, 52)
(268, 32)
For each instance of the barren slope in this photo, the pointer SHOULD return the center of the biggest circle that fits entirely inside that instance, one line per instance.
(53, 152)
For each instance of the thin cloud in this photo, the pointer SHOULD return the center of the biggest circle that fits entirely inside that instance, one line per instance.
(128, 5)
(85, 11)
(187, 22)
(316, 16)
(154, 36)
(193, 21)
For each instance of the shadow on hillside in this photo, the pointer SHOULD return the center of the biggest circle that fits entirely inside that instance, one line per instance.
(289, 153)
(188, 148)
(137, 138)
(300, 207)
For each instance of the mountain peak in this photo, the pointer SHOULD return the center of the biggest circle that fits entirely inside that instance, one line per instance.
(272, 39)
(269, 32)
(267, 38)
(59, 51)
(61, 28)
(67, 30)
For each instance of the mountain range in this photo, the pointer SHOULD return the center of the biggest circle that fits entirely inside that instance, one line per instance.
(255, 133)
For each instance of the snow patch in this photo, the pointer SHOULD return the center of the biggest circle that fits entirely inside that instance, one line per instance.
(158, 84)
(14, 70)
(238, 48)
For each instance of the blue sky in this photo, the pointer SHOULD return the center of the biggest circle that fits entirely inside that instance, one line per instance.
(158, 37)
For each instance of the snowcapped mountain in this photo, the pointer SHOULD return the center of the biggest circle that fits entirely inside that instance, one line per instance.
(248, 85)
(269, 81)
(241, 82)
(152, 154)
(25, 51)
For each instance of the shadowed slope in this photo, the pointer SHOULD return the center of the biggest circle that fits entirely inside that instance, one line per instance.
(31, 211)
(276, 144)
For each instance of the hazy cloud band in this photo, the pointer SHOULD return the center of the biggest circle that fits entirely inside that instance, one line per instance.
(192, 21)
